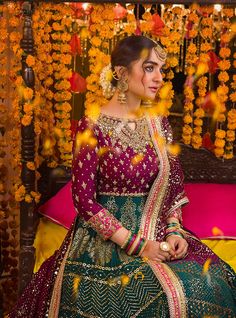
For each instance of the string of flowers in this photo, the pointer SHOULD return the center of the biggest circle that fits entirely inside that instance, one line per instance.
(10, 142)
(222, 89)
(62, 73)
(44, 116)
(101, 24)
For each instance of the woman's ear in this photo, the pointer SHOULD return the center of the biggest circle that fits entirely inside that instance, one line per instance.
(121, 71)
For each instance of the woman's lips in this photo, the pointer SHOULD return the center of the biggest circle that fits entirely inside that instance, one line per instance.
(153, 89)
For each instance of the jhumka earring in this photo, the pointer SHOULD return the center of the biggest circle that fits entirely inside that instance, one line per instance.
(122, 87)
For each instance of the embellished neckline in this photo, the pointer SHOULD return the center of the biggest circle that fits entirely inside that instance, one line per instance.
(122, 118)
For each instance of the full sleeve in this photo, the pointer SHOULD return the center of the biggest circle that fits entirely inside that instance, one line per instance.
(85, 167)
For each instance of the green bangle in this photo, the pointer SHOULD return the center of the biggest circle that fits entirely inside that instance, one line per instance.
(175, 233)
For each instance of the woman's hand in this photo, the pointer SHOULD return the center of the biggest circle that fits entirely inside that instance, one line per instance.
(153, 252)
(179, 245)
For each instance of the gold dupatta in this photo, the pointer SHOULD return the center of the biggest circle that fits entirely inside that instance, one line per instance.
(152, 212)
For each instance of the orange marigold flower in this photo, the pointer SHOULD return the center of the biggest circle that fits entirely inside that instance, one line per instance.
(30, 60)
(223, 76)
(220, 133)
(219, 151)
(198, 122)
(188, 119)
(232, 97)
(28, 93)
(220, 143)
(224, 52)
(26, 120)
(187, 130)
(230, 135)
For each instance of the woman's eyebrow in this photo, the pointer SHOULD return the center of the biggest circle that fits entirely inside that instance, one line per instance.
(150, 62)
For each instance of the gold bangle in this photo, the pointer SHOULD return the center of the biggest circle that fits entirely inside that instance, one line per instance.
(126, 240)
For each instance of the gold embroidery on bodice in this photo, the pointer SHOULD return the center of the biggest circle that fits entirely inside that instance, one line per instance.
(119, 130)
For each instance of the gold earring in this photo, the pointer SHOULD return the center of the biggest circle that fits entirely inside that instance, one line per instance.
(122, 87)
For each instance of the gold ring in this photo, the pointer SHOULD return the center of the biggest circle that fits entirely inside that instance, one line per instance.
(164, 246)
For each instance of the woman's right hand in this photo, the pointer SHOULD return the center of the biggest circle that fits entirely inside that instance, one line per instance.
(153, 252)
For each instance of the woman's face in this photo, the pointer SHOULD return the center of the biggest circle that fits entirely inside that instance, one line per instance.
(144, 77)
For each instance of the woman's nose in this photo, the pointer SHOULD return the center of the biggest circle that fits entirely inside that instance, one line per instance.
(158, 76)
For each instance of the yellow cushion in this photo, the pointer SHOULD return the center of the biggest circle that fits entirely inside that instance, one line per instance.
(225, 249)
(49, 237)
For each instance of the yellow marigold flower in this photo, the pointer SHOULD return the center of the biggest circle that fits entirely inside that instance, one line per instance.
(220, 143)
(229, 155)
(224, 65)
(30, 60)
(187, 119)
(220, 133)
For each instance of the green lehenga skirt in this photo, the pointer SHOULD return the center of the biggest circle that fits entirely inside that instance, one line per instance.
(100, 280)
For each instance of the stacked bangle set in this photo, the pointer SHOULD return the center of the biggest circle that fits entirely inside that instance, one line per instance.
(174, 228)
(134, 244)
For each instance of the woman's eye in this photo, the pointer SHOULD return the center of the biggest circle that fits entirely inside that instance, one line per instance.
(149, 68)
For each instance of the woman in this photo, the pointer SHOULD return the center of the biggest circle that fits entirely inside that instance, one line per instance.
(127, 254)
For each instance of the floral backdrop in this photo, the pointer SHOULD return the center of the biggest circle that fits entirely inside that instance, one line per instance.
(73, 42)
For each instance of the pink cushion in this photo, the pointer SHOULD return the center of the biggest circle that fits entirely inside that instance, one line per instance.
(60, 208)
(212, 209)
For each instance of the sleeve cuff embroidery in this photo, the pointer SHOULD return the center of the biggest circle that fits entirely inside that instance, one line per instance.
(104, 223)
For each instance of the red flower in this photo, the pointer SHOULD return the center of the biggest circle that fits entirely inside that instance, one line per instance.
(120, 12)
(158, 24)
(138, 29)
(75, 45)
(207, 142)
(189, 28)
(213, 62)
(77, 83)
(73, 127)
(78, 9)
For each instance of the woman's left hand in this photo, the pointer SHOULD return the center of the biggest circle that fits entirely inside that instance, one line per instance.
(179, 245)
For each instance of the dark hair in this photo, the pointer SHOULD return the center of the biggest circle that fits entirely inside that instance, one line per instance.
(129, 50)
